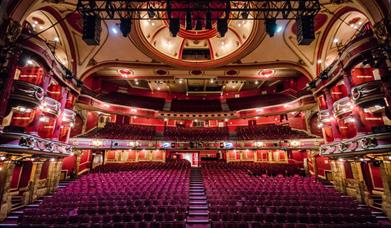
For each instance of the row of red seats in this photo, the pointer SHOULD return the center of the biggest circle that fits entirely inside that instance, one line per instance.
(195, 105)
(235, 195)
(196, 133)
(121, 131)
(270, 131)
(82, 202)
(257, 101)
(259, 169)
(153, 103)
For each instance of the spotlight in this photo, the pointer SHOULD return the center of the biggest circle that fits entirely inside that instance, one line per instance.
(114, 30)
(125, 26)
(151, 13)
(244, 15)
(222, 26)
(174, 26)
(271, 26)
(198, 24)
(208, 20)
(188, 21)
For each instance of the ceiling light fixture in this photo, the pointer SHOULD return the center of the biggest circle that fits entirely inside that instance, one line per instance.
(114, 30)
(222, 26)
(189, 25)
(125, 26)
(271, 26)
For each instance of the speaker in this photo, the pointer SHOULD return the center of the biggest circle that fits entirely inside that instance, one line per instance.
(222, 26)
(174, 26)
(305, 30)
(91, 29)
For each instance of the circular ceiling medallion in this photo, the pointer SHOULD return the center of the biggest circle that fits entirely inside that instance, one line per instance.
(231, 72)
(266, 73)
(124, 72)
(161, 72)
(196, 72)
(197, 47)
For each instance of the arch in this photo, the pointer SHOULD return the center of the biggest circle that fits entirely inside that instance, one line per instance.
(332, 28)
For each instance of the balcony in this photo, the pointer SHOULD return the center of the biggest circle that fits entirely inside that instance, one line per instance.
(50, 106)
(342, 106)
(368, 92)
(26, 94)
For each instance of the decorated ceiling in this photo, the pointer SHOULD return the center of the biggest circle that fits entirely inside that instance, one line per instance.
(152, 59)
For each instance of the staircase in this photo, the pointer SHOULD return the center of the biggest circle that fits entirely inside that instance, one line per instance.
(377, 209)
(17, 202)
(198, 215)
(18, 207)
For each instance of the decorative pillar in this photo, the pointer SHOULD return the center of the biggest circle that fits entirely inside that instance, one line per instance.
(57, 130)
(54, 175)
(314, 165)
(77, 168)
(33, 191)
(362, 193)
(385, 169)
(338, 175)
(329, 101)
(306, 167)
(6, 176)
(57, 175)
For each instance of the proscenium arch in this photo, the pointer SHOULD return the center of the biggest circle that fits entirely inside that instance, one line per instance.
(260, 66)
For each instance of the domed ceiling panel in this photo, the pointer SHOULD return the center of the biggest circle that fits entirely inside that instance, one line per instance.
(197, 47)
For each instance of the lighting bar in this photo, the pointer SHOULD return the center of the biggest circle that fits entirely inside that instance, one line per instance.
(140, 9)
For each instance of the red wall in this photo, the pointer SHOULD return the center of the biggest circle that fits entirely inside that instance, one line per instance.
(44, 170)
(323, 165)
(84, 160)
(376, 177)
(299, 155)
(92, 120)
(16, 176)
(69, 164)
(26, 173)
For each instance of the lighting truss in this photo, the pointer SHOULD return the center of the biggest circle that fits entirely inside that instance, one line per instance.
(166, 10)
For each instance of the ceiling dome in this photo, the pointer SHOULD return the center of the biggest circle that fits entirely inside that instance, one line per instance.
(201, 48)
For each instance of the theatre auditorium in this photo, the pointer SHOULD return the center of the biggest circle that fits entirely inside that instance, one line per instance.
(195, 113)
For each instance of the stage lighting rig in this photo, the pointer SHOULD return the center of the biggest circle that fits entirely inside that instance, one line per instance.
(213, 14)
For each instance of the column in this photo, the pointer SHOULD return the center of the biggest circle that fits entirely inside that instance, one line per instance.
(57, 176)
(57, 130)
(53, 176)
(385, 168)
(362, 193)
(77, 168)
(314, 165)
(6, 176)
(34, 194)
(329, 101)
(306, 167)
(338, 175)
